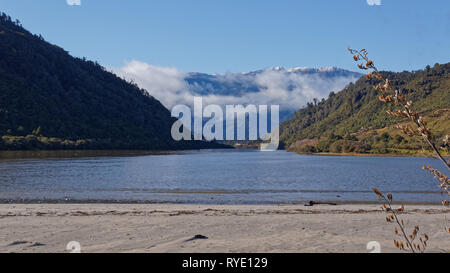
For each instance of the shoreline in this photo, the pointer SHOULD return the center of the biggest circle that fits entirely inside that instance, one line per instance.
(167, 228)
(10, 154)
(367, 155)
(138, 202)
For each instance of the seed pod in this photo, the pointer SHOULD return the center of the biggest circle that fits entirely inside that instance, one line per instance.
(389, 196)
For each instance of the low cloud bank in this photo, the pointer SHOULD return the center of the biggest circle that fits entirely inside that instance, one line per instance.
(289, 88)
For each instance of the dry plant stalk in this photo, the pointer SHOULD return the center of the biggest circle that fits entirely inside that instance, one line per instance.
(408, 242)
(405, 110)
(444, 180)
(389, 95)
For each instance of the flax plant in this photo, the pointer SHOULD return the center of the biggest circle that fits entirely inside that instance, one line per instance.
(404, 109)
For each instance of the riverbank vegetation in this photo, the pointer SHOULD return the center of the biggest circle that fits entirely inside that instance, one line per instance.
(355, 121)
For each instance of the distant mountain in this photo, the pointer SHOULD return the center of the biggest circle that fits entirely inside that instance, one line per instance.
(354, 120)
(248, 82)
(291, 88)
(51, 100)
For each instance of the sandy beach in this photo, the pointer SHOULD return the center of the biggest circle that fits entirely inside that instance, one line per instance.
(229, 228)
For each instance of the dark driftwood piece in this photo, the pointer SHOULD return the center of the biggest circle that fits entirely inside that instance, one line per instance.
(312, 203)
(197, 237)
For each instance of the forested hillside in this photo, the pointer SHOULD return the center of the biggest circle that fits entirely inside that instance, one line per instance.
(355, 121)
(51, 100)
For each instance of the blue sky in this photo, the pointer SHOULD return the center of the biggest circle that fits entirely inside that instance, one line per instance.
(217, 36)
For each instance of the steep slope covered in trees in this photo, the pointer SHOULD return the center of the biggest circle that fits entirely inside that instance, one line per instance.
(51, 100)
(354, 120)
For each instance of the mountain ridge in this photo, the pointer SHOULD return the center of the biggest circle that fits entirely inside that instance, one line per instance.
(291, 88)
(354, 120)
(51, 100)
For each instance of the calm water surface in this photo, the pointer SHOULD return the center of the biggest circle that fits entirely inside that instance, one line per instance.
(216, 177)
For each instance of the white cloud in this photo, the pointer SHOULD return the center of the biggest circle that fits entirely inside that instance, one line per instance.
(73, 2)
(374, 2)
(275, 86)
(164, 83)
